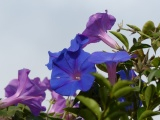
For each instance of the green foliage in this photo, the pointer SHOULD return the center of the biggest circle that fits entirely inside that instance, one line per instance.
(149, 93)
(91, 104)
(139, 45)
(122, 38)
(135, 28)
(147, 114)
(85, 113)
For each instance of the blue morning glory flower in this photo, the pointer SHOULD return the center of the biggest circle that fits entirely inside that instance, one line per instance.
(128, 75)
(78, 42)
(71, 71)
(111, 60)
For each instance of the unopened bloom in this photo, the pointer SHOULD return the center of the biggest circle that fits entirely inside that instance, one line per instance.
(111, 60)
(71, 71)
(97, 27)
(26, 91)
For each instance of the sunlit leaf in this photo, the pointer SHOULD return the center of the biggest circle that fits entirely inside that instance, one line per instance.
(102, 81)
(85, 113)
(148, 113)
(91, 104)
(149, 92)
(134, 27)
(122, 38)
(156, 62)
(123, 91)
(120, 84)
(153, 73)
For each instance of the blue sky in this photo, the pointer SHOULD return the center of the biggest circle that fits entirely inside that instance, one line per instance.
(31, 28)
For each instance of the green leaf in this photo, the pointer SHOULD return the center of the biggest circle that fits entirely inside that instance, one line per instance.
(139, 45)
(123, 91)
(102, 81)
(122, 38)
(153, 73)
(149, 93)
(120, 84)
(155, 44)
(156, 62)
(3, 112)
(104, 96)
(155, 103)
(124, 117)
(158, 28)
(91, 104)
(144, 36)
(135, 28)
(148, 113)
(158, 87)
(12, 110)
(115, 115)
(140, 111)
(85, 113)
(102, 67)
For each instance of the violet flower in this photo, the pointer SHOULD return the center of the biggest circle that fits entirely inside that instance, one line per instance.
(25, 91)
(71, 71)
(127, 75)
(111, 60)
(59, 103)
(96, 29)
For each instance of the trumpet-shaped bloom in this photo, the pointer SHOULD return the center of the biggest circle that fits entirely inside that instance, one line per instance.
(96, 29)
(59, 103)
(127, 75)
(25, 91)
(111, 60)
(71, 71)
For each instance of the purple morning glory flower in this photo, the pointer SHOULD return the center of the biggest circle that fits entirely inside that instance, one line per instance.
(127, 75)
(96, 29)
(59, 103)
(71, 71)
(111, 60)
(25, 91)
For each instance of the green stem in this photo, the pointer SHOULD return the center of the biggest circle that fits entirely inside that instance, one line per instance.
(140, 81)
(51, 103)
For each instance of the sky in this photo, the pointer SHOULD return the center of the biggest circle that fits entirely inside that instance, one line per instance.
(31, 28)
